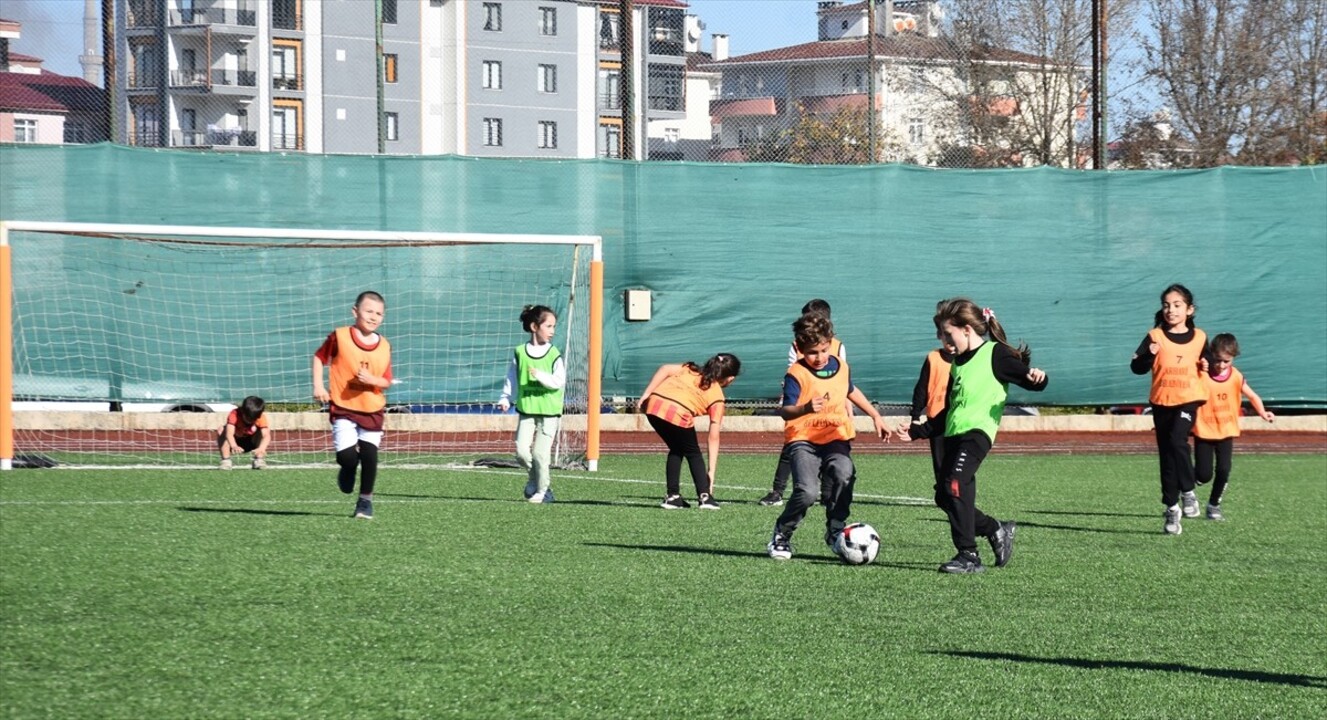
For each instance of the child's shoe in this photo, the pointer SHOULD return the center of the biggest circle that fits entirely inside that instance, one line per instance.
(780, 546)
(363, 509)
(1190, 504)
(1214, 512)
(772, 499)
(707, 502)
(964, 563)
(674, 502)
(227, 464)
(1172, 526)
(1002, 543)
(531, 487)
(259, 463)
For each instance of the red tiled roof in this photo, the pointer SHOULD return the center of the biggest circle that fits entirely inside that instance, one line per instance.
(696, 59)
(745, 107)
(23, 58)
(913, 47)
(49, 92)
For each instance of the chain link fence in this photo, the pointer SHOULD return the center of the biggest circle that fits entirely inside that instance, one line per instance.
(947, 83)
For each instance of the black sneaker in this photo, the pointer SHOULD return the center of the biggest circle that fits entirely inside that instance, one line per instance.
(964, 563)
(674, 502)
(363, 509)
(707, 502)
(1002, 543)
(780, 547)
(772, 499)
(832, 533)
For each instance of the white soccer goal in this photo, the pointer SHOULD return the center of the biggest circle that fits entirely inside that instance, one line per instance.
(126, 344)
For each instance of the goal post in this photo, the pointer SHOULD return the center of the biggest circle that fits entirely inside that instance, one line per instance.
(106, 330)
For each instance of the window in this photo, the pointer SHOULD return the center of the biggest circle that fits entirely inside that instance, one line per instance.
(389, 67)
(916, 131)
(285, 129)
(609, 25)
(665, 87)
(548, 21)
(391, 125)
(548, 78)
(610, 93)
(389, 12)
(612, 141)
(548, 135)
(493, 132)
(285, 74)
(492, 75)
(493, 16)
(672, 135)
(25, 131)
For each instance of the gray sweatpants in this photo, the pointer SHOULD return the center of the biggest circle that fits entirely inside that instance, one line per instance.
(821, 473)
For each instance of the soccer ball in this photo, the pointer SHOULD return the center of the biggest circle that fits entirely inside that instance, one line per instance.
(858, 544)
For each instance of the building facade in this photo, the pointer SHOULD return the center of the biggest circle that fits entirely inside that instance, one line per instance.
(39, 106)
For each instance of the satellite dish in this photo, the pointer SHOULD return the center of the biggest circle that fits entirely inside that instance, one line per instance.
(693, 34)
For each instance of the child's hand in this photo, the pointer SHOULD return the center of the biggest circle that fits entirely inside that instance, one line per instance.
(902, 431)
(1203, 367)
(817, 403)
(503, 405)
(321, 395)
(1154, 348)
(365, 376)
(1269, 416)
(881, 429)
(1036, 375)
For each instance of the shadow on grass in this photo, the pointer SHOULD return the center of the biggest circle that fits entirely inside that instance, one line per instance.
(1074, 528)
(1094, 514)
(703, 551)
(1225, 673)
(467, 498)
(252, 511)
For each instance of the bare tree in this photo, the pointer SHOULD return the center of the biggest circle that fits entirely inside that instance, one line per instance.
(1246, 78)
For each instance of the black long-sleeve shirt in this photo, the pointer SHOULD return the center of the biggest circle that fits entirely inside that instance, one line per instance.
(1141, 364)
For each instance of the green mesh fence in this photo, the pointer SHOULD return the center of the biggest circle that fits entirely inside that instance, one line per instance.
(1072, 262)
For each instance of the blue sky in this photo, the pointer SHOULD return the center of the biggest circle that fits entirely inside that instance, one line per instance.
(53, 29)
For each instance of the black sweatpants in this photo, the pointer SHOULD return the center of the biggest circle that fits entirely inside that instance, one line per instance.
(1173, 425)
(682, 443)
(956, 492)
(1203, 453)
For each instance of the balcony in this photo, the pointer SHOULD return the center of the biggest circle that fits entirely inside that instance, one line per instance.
(188, 78)
(143, 17)
(287, 141)
(145, 80)
(215, 138)
(610, 101)
(234, 78)
(285, 20)
(208, 17)
(745, 107)
(292, 82)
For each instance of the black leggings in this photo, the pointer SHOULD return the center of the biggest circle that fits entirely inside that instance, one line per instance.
(956, 489)
(1203, 453)
(1173, 425)
(365, 456)
(682, 443)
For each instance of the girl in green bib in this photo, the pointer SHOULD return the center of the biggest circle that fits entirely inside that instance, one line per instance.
(535, 380)
(978, 385)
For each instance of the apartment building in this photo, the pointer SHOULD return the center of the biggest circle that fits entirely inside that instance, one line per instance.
(495, 78)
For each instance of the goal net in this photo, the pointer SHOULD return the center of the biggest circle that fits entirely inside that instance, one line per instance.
(129, 344)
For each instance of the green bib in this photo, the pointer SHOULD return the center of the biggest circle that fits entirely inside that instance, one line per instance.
(531, 397)
(977, 399)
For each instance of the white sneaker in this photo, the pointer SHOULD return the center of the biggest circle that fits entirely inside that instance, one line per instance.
(1172, 526)
(1190, 504)
(259, 463)
(535, 498)
(227, 464)
(1214, 512)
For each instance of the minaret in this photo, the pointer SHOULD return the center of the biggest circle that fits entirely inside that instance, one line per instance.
(91, 58)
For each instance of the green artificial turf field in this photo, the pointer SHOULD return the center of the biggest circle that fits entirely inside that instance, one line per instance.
(205, 594)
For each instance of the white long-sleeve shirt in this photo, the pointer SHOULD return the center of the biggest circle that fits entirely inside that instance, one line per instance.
(555, 380)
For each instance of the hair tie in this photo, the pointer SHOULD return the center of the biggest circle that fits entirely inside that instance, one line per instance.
(987, 314)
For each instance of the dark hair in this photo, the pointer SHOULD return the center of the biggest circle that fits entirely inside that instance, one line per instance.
(251, 408)
(533, 315)
(961, 311)
(1188, 300)
(369, 295)
(811, 329)
(816, 306)
(1224, 343)
(716, 368)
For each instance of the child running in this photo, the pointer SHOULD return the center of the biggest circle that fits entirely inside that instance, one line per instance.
(978, 387)
(818, 433)
(784, 469)
(245, 430)
(1173, 352)
(675, 396)
(359, 363)
(1217, 424)
(536, 377)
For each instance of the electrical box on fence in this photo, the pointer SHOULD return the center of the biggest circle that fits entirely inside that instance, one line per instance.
(637, 305)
